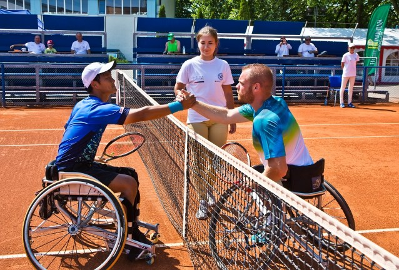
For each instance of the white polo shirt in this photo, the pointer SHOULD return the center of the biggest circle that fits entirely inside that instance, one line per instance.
(80, 47)
(305, 48)
(35, 48)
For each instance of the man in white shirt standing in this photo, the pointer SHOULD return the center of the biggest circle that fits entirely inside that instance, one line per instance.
(283, 48)
(80, 46)
(33, 47)
(348, 64)
(307, 49)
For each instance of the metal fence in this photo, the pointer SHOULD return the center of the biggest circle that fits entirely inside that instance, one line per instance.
(61, 84)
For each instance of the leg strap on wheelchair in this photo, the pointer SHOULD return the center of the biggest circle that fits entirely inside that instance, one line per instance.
(129, 216)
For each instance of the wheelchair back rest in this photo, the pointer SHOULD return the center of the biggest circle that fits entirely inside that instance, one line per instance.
(51, 171)
(302, 179)
(76, 189)
(305, 179)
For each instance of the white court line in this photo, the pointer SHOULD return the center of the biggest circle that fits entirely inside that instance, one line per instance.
(379, 230)
(240, 124)
(323, 138)
(237, 140)
(16, 256)
(30, 145)
(326, 124)
(46, 129)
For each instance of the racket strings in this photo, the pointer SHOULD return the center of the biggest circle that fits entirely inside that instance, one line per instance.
(238, 152)
(123, 145)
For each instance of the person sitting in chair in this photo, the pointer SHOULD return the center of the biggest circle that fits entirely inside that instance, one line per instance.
(83, 132)
(33, 47)
(172, 45)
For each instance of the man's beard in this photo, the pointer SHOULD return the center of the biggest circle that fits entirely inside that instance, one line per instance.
(247, 97)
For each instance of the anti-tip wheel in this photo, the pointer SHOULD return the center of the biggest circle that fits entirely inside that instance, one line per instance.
(150, 260)
(154, 237)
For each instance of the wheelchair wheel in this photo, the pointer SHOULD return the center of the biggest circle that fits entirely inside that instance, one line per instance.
(85, 230)
(244, 229)
(333, 204)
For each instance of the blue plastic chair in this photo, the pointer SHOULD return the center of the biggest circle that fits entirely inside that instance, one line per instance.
(335, 85)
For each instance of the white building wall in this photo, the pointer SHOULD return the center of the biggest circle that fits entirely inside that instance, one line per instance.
(120, 33)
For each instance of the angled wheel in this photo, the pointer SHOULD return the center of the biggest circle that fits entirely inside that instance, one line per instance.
(244, 229)
(333, 204)
(86, 228)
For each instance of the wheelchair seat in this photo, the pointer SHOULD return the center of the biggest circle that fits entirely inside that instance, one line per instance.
(304, 181)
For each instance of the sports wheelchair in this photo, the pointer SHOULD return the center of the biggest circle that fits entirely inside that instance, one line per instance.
(250, 225)
(76, 222)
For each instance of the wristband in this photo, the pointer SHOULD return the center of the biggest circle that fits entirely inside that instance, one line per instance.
(175, 106)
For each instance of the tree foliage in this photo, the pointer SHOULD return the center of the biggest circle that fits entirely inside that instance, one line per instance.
(162, 12)
(244, 12)
(323, 13)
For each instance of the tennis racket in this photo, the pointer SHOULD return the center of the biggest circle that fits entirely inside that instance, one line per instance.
(238, 151)
(122, 146)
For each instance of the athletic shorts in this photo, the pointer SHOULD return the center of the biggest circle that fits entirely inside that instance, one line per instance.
(103, 172)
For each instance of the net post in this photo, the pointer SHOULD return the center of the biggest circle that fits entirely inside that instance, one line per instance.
(185, 199)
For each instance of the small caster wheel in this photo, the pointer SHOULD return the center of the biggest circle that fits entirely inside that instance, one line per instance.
(150, 260)
(154, 237)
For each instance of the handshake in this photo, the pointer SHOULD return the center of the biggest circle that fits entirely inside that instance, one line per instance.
(185, 98)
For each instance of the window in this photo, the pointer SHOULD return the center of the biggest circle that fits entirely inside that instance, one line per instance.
(15, 4)
(392, 61)
(64, 6)
(122, 6)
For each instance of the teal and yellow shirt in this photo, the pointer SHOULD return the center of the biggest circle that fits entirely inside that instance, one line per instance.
(276, 133)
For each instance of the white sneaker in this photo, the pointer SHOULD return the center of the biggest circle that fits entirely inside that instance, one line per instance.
(202, 212)
(211, 199)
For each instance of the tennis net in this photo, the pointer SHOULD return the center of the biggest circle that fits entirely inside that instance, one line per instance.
(256, 223)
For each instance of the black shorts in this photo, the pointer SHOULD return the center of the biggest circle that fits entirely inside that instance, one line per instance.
(103, 172)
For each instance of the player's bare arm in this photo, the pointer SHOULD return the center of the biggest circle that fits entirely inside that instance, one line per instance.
(153, 112)
(228, 94)
(276, 169)
(218, 114)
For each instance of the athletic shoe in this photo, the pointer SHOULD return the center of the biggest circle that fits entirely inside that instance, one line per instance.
(138, 236)
(202, 212)
(342, 105)
(211, 200)
(350, 105)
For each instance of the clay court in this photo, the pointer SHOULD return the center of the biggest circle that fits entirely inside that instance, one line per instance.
(359, 145)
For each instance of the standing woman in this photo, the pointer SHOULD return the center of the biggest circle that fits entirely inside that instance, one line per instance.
(348, 63)
(209, 79)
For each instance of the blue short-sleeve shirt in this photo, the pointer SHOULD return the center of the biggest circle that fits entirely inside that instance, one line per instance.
(84, 130)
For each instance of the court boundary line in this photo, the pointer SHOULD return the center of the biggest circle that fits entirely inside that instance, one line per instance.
(241, 124)
(180, 244)
(23, 255)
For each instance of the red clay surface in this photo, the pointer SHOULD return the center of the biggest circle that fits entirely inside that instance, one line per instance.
(360, 147)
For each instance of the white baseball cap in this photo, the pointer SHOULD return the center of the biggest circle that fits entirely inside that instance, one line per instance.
(351, 45)
(92, 70)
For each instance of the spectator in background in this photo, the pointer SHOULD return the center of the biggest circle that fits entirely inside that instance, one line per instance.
(80, 46)
(172, 45)
(307, 49)
(348, 63)
(283, 47)
(33, 47)
(50, 49)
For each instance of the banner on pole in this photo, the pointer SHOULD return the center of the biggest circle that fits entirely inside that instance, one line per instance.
(375, 34)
